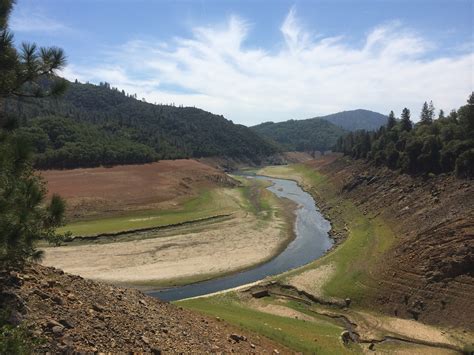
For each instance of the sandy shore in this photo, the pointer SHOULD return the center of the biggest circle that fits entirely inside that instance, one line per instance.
(231, 245)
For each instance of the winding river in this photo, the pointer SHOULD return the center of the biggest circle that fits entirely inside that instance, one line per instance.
(311, 242)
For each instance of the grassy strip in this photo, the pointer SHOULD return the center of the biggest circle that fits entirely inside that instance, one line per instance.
(209, 202)
(320, 336)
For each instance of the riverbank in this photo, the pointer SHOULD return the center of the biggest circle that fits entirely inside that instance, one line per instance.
(258, 227)
(340, 289)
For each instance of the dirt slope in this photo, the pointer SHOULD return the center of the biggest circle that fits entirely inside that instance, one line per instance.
(429, 273)
(74, 314)
(108, 191)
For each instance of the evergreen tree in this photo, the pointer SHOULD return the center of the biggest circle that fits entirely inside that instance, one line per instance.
(405, 123)
(391, 121)
(426, 116)
(24, 218)
(441, 115)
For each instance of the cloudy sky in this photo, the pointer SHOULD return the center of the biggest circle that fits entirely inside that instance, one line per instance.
(256, 61)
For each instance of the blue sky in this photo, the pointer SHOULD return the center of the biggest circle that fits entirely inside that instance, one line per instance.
(256, 61)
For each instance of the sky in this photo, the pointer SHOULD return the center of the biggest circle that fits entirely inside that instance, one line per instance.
(255, 61)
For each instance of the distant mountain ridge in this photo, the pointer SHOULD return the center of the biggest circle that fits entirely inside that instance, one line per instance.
(302, 135)
(94, 125)
(354, 120)
(319, 133)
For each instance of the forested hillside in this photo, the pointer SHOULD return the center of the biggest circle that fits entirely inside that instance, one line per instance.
(98, 125)
(357, 119)
(432, 145)
(302, 135)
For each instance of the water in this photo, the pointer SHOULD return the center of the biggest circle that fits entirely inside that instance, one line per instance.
(311, 242)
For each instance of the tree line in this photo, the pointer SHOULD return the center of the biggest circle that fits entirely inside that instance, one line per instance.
(434, 145)
(104, 126)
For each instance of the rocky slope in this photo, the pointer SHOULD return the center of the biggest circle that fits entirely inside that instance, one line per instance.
(71, 314)
(429, 273)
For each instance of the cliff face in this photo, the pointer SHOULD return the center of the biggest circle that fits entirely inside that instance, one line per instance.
(429, 272)
(68, 313)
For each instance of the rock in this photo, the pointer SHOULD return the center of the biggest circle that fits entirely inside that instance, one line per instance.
(143, 303)
(66, 323)
(252, 345)
(348, 302)
(71, 297)
(15, 318)
(58, 300)
(345, 337)
(145, 340)
(237, 338)
(97, 308)
(156, 351)
(50, 323)
(40, 293)
(275, 351)
(372, 346)
(57, 330)
(260, 294)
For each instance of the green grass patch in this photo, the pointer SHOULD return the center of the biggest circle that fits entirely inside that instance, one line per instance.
(208, 203)
(319, 337)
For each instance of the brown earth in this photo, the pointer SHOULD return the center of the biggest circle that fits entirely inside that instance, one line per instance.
(71, 314)
(108, 191)
(429, 273)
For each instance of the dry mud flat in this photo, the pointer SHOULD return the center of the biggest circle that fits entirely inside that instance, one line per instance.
(228, 246)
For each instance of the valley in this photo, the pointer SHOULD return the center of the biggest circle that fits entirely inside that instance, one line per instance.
(356, 298)
(204, 177)
(353, 289)
(166, 223)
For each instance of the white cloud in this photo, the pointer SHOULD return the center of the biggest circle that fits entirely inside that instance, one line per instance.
(30, 20)
(214, 70)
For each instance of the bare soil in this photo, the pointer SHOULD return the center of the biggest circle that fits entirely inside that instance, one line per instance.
(110, 191)
(221, 248)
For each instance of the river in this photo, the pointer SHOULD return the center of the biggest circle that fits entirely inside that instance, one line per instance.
(311, 242)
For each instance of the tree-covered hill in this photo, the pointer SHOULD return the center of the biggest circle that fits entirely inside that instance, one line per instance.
(95, 125)
(431, 146)
(313, 134)
(357, 119)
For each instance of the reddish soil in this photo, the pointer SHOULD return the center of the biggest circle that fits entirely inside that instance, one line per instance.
(107, 191)
(71, 315)
(429, 274)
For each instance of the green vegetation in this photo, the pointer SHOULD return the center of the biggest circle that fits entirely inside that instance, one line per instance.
(302, 135)
(432, 145)
(99, 125)
(208, 203)
(61, 142)
(24, 217)
(319, 133)
(257, 199)
(320, 336)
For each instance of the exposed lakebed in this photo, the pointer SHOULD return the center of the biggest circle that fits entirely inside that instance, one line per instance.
(311, 241)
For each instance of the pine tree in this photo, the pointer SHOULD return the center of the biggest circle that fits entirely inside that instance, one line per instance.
(441, 115)
(405, 123)
(391, 121)
(426, 116)
(24, 218)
